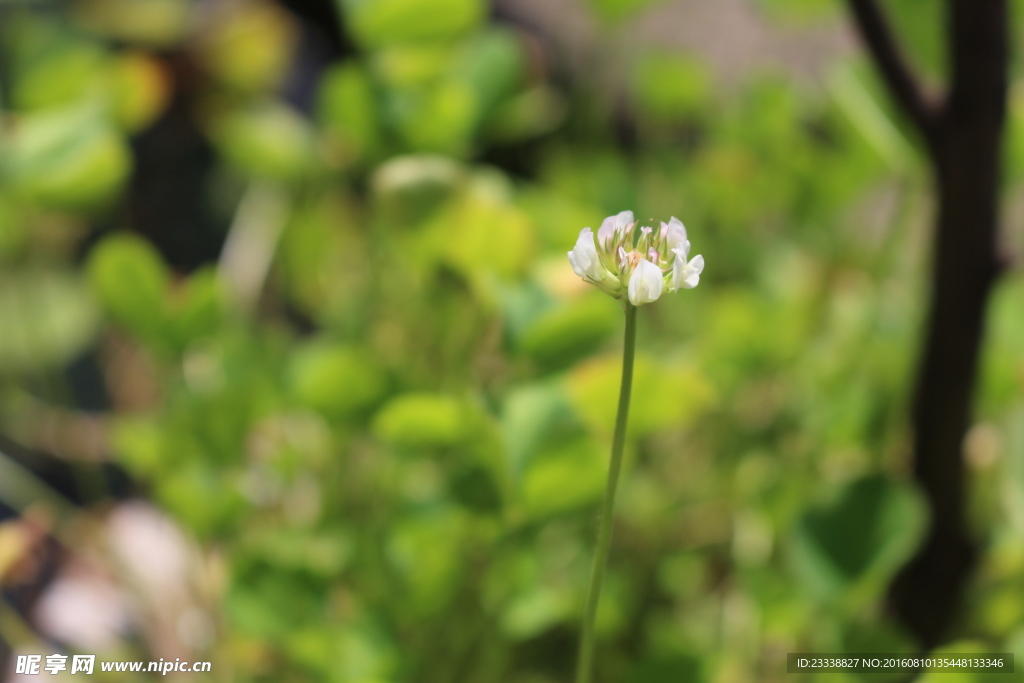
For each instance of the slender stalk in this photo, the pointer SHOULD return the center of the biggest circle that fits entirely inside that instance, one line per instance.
(585, 664)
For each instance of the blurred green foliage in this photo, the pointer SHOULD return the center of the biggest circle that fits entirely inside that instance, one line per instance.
(392, 434)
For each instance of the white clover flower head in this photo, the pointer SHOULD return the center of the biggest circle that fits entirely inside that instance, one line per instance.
(634, 261)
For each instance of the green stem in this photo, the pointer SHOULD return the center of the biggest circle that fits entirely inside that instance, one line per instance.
(585, 665)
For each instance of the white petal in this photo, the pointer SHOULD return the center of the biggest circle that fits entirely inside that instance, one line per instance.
(678, 268)
(583, 257)
(575, 266)
(645, 283)
(675, 235)
(691, 274)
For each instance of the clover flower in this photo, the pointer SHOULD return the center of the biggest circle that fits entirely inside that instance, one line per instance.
(627, 259)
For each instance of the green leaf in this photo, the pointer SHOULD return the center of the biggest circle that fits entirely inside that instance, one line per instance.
(267, 140)
(534, 611)
(197, 306)
(620, 10)
(422, 420)
(47, 318)
(531, 415)
(131, 282)
(408, 190)
(337, 380)
(321, 554)
(58, 77)
(670, 88)
(493, 64)
(347, 110)
(272, 604)
(564, 477)
(679, 668)
(567, 333)
(354, 653)
(426, 550)
(861, 536)
(438, 119)
(71, 158)
(484, 233)
(198, 496)
(663, 394)
(376, 23)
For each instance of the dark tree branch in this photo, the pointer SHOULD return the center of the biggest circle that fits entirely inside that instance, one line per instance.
(966, 164)
(980, 56)
(902, 85)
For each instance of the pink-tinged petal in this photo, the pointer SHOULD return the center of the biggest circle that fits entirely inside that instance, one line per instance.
(675, 235)
(606, 232)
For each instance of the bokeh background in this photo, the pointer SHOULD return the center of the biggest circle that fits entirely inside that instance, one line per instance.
(295, 377)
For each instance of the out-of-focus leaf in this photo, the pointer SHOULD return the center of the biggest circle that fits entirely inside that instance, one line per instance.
(492, 63)
(155, 23)
(426, 550)
(67, 73)
(531, 113)
(139, 444)
(197, 306)
(563, 335)
(348, 112)
(131, 282)
(422, 420)
(619, 10)
(319, 553)
(140, 89)
(355, 653)
(409, 66)
(563, 477)
(864, 534)
(201, 498)
(1015, 133)
(249, 46)
(47, 318)
(474, 486)
(268, 140)
(483, 232)
(663, 395)
(334, 379)
(681, 668)
(798, 11)
(868, 118)
(409, 189)
(437, 119)
(534, 611)
(376, 23)
(68, 158)
(921, 27)
(1003, 361)
(670, 88)
(272, 604)
(531, 414)
(322, 258)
